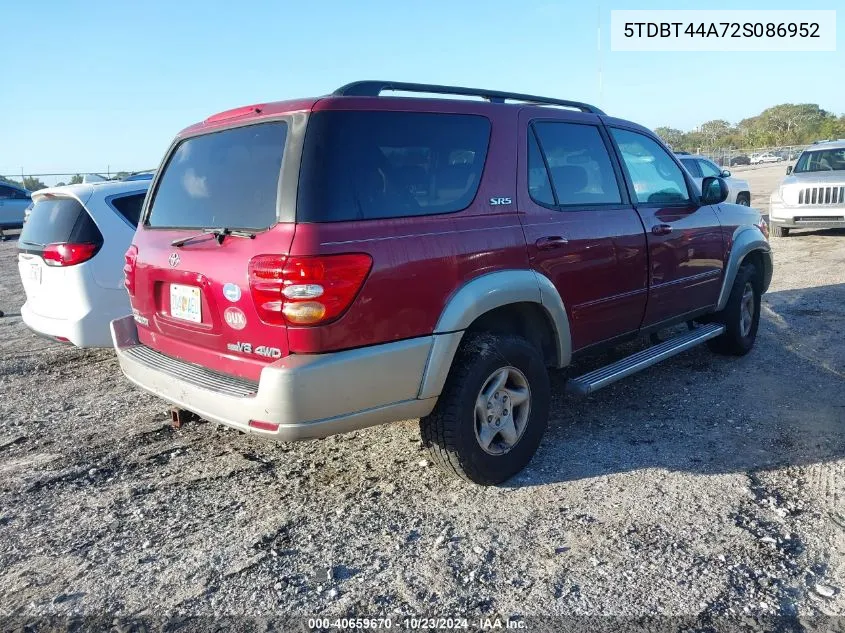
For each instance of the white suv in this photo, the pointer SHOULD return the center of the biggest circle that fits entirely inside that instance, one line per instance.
(813, 193)
(70, 259)
(699, 168)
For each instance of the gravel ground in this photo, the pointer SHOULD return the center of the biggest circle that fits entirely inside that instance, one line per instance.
(703, 487)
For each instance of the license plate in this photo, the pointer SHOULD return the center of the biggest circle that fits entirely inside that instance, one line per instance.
(185, 303)
(35, 273)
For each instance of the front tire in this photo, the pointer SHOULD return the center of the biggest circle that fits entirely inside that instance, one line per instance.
(780, 231)
(741, 315)
(493, 411)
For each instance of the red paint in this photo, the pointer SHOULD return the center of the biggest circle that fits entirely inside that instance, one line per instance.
(603, 267)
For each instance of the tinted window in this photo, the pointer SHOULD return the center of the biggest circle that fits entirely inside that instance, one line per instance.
(657, 178)
(367, 165)
(709, 169)
(824, 160)
(539, 185)
(579, 165)
(223, 179)
(692, 166)
(6, 193)
(129, 207)
(55, 220)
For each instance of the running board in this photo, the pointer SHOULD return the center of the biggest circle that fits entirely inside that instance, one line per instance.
(603, 376)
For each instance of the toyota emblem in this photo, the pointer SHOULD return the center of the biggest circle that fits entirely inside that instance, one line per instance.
(173, 260)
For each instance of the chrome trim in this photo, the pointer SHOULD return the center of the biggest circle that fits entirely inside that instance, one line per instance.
(603, 376)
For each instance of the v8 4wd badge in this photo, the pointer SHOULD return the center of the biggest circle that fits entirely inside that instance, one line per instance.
(261, 350)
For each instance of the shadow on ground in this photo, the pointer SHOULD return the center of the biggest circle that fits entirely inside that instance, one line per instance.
(782, 404)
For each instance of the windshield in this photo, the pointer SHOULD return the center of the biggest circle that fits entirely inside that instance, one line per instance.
(228, 178)
(822, 160)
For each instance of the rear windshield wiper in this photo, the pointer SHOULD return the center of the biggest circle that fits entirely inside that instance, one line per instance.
(219, 234)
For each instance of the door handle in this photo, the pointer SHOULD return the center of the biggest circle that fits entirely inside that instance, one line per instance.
(661, 229)
(551, 242)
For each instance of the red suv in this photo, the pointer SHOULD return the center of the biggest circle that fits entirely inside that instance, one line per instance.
(312, 267)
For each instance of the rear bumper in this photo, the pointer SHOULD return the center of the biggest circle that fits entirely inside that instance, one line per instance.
(89, 330)
(307, 396)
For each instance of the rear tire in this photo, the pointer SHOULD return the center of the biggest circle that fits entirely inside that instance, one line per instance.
(780, 231)
(493, 411)
(741, 315)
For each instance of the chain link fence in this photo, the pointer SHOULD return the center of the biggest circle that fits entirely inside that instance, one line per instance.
(35, 181)
(732, 157)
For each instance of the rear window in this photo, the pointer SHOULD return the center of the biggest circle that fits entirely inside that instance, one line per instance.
(364, 165)
(129, 207)
(56, 220)
(223, 179)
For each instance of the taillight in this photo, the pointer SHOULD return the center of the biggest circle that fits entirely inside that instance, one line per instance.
(130, 257)
(306, 290)
(66, 254)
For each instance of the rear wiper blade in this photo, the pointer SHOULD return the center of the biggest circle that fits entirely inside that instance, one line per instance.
(218, 233)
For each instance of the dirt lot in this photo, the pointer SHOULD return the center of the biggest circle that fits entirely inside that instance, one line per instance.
(704, 487)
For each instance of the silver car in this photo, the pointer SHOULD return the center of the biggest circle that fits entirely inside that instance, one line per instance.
(812, 195)
(700, 167)
(13, 203)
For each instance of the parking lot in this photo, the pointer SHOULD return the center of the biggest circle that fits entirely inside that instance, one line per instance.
(705, 486)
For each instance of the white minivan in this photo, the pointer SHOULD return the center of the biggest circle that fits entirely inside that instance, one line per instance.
(71, 259)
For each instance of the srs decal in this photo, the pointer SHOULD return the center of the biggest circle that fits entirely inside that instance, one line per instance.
(234, 318)
(497, 202)
(232, 292)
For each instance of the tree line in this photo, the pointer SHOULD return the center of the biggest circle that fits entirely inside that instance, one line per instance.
(780, 125)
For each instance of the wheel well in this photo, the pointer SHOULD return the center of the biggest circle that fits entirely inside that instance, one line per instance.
(756, 258)
(528, 320)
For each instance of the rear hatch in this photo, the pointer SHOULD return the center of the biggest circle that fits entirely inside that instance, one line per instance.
(56, 242)
(190, 289)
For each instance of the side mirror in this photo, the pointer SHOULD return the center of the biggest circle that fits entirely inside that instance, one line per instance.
(725, 173)
(789, 170)
(713, 190)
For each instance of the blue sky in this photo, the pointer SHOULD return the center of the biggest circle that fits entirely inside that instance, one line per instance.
(107, 84)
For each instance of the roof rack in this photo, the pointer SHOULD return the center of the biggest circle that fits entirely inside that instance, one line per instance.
(373, 88)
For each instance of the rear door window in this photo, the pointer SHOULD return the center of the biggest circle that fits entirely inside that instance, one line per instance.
(222, 179)
(364, 165)
(708, 168)
(692, 167)
(129, 207)
(578, 162)
(58, 220)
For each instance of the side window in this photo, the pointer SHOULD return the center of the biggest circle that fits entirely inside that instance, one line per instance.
(656, 177)
(692, 167)
(579, 165)
(6, 193)
(708, 168)
(129, 207)
(539, 186)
